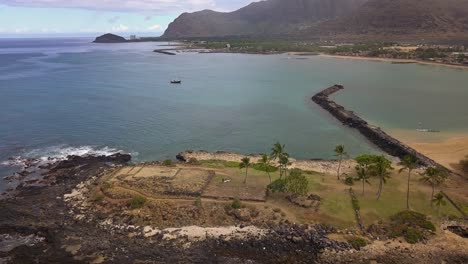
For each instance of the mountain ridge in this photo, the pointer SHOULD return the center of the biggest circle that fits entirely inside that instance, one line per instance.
(331, 19)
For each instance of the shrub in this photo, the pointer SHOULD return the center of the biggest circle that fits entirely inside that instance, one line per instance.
(411, 225)
(193, 161)
(277, 186)
(357, 242)
(297, 183)
(413, 235)
(414, 219)
(349, 181)
(137, 202)
(231, 164)
(167, 163)
(236, 204)
(98, 198)
(198, 202)
(355, 203)
(263, 167)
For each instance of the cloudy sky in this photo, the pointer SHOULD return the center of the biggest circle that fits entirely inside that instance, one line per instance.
(87, 17)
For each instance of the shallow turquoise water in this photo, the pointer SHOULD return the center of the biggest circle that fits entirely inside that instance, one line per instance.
(67, 94)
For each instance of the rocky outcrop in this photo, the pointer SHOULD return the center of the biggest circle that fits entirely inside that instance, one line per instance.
(374, 134)
(109, 38)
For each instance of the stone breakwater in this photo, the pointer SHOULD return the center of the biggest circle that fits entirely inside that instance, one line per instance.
(374, 134)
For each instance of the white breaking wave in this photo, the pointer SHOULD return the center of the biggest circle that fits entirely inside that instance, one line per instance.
(44, 156)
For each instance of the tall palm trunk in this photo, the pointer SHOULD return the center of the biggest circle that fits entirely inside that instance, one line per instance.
(339, 166)
(268, 172)
(379, 193)
(407, 192)
(245, 179)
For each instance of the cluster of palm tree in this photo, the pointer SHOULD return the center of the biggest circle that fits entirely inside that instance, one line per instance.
(373, 165)
(435, 176)
(278, 155)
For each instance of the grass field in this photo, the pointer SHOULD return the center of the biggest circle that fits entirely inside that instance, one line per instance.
(335, 208)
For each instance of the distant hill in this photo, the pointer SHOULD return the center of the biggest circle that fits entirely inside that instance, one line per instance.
(346, 19)
(109, 38)
(272, 17)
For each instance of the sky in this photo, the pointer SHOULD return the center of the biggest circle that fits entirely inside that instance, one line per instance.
(28, 18)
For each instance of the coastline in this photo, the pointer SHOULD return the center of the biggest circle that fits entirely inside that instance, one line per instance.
(446, 148)
(402, 61)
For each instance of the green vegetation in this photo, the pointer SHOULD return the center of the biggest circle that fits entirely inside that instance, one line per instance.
(193, 161)
(137, 202)
(245, 164)
(297, 183)
(439, 200)
(264, 165)
(349, 181)
(408, 163)
(98, 198)
(357, 242)
(362, 169)
(381, 167)
(198, 202)
(413, 226)
(236, 204)
(220, 164)
(340, 152)
(278, 153)
(277, 186)
(168, 163)
(355, 203)
(435, 176)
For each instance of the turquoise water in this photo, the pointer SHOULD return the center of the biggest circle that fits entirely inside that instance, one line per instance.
(62, 97)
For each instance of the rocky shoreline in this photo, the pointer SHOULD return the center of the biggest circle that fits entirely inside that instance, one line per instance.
(50, 223)
(54, 223)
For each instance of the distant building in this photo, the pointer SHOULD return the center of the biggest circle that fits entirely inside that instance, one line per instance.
(133, 37)
(228, 46)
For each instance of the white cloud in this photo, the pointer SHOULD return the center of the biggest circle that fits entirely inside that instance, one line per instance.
(156, 28)
(120, 28)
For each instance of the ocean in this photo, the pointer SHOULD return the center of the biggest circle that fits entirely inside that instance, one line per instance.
(70, 96)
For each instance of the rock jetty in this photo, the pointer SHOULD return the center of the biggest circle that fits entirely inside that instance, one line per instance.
(374, 134)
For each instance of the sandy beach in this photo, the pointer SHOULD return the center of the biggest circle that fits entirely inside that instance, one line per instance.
(446, 148)
(395, 61)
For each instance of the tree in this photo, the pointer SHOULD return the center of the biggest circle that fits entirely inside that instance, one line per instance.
(245, 164)
(381, 167)
(284, 163)
(408, 163)
(362, 169)
(276, 151)
(297, 183)
(435, 176)
(265, 162)
(340, 152)
(464, 165)
(439, 200)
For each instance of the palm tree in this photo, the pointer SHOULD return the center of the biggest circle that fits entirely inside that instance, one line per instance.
(362, 175)
(381, 167)
(265, 162)
(439, 201)
(408, 163)
(435, 176)
(340, 152)
(284, 163)
(276, 151)
(362, 169)
(245, 164)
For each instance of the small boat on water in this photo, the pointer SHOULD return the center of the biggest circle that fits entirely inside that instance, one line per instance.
(426, 130)
(176, 81)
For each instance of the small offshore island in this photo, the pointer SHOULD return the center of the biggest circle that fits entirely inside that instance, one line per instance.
(225, 207)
